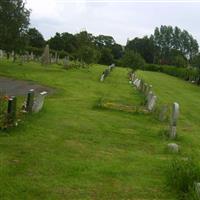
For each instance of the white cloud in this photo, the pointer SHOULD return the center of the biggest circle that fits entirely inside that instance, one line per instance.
(120, 20)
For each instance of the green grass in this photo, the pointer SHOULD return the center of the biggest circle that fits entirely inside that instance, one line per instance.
(70, 150)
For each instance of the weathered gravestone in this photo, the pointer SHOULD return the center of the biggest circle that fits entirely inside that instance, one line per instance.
(151, 103)
(173, 147)
(30, 101)
(39, 102)
(174, 118)
(149, 96)
(135, 81)
(46, 56)
(138, 83)
(12, 111)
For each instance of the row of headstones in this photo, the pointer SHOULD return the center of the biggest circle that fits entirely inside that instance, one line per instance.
(106, 72)
(46, 57)
(33, 103)
(172, 147)
(146, 89)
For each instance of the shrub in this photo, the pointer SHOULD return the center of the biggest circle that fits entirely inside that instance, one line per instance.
(182, 175)
(184, 73)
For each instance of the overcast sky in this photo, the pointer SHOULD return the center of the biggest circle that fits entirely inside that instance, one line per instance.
(120, 19)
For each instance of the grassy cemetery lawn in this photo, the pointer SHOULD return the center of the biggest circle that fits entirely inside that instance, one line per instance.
(74, 150)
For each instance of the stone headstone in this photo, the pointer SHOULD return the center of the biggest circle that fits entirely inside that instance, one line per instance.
(173, 147)
(175, 113)
(39, 102)
(135, 81)
(30, 101)
(174, 118)
(138, 83)
(152, 103)
(12, 111)
(149, 97)
(46, 56)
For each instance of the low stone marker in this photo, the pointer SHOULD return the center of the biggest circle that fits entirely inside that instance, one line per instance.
(30, 101)
(173, 147)
(174, 118)
(39, 102)
(12, 111)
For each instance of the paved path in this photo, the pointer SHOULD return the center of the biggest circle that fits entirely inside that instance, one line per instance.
(15, 87)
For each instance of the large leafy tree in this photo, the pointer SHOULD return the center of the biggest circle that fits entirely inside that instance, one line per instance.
(14, 21)
(167, 38)
(144, 46)
(35, 38)
(56, 42)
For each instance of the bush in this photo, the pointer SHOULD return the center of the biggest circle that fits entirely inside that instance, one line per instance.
(133, 60)
(182, 175)
(184, 73)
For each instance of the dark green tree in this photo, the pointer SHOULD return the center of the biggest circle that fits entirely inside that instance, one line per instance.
(167, 38)
(106, 57)
(56, 42)
(14, 21)
(144, 46)
(133, 60)
(35, 38)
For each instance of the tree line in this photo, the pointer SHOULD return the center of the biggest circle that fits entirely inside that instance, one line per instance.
(166, 46)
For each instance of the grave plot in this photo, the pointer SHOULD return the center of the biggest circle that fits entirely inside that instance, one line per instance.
(11, 109)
